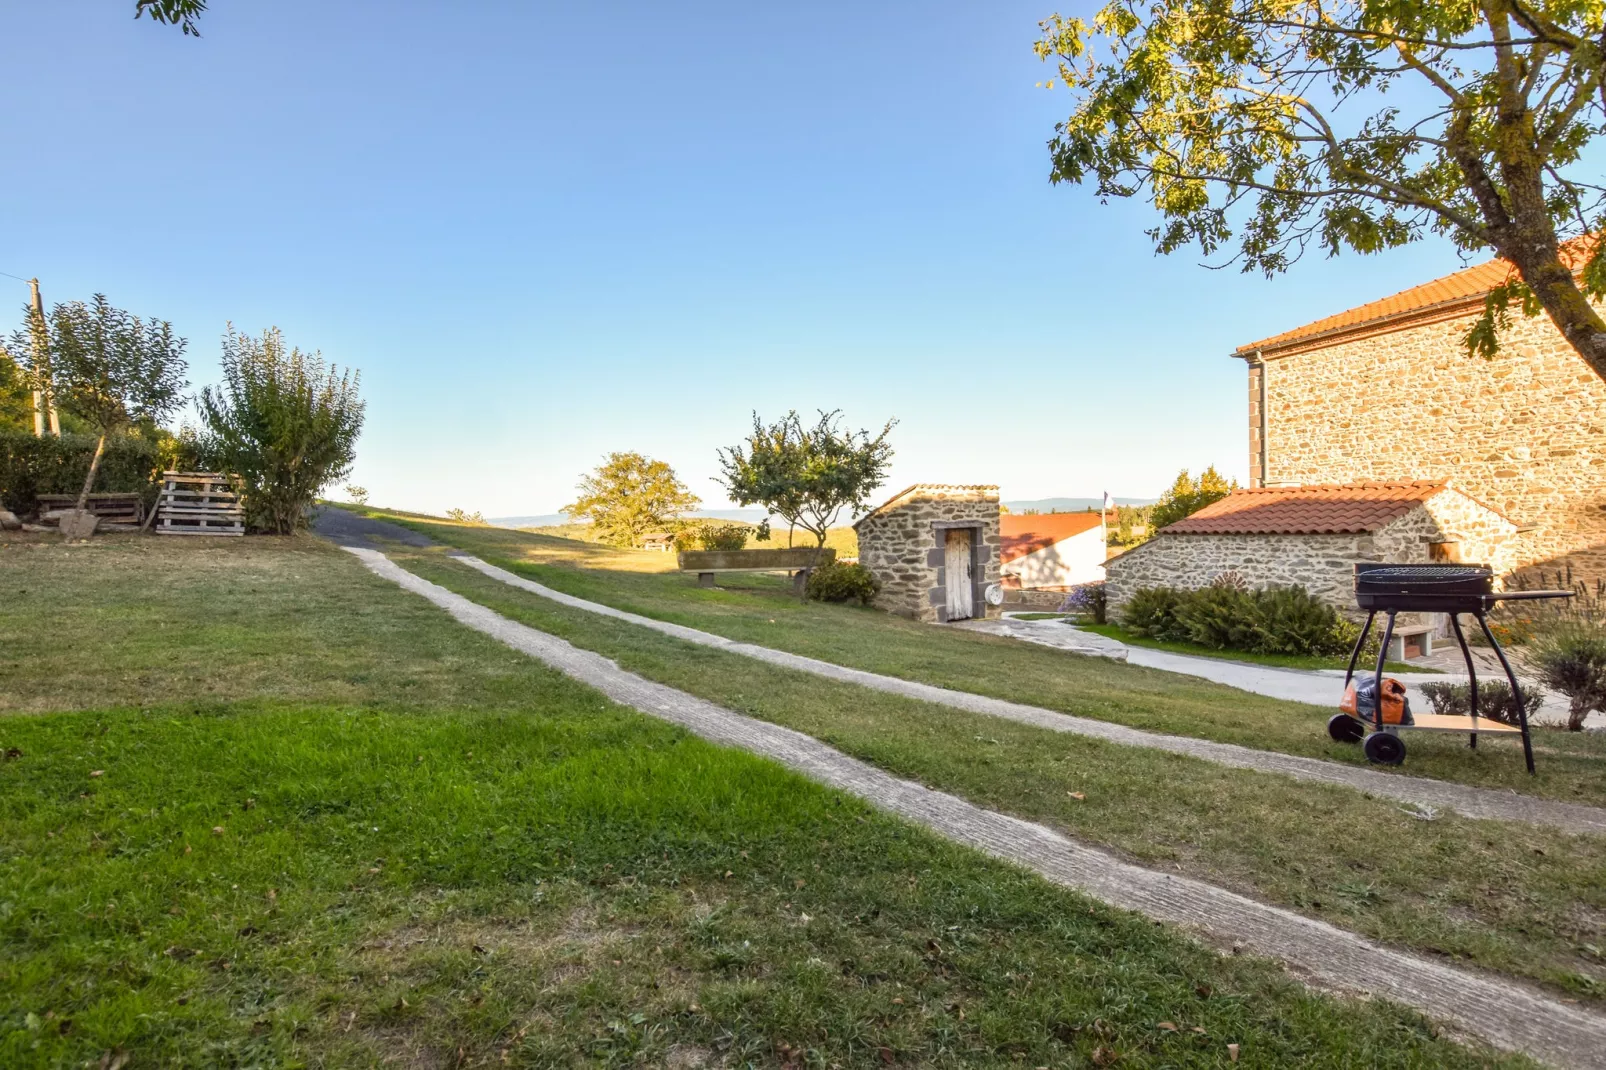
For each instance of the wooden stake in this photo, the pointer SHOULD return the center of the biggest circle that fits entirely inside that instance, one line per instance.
(41, 365)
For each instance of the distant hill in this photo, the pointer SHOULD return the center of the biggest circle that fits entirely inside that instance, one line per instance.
(1071, 505)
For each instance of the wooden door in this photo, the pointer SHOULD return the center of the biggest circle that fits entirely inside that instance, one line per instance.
(961, 603)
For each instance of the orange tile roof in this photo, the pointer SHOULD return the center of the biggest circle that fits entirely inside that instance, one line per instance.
(1317, 509)
(1452, 293)
(1024, 535)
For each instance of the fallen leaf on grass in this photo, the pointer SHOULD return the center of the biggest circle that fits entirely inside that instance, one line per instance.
(1078, 796)
(13, 753)
(887, 1056)
(115, 1059)
(1104, 1056)
(97, 772)
(217, 830)
(1169, 1027)
(1232, 1052)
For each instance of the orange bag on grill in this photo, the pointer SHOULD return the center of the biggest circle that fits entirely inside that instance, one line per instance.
(1360, 702)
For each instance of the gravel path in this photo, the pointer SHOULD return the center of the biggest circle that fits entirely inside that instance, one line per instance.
(1507, 1014)
(1418, 791)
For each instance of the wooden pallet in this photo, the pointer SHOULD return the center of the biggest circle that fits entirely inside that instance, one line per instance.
(199, 503)
(110, 506)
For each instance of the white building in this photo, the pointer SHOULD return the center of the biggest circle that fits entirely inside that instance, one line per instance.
(1052, 550)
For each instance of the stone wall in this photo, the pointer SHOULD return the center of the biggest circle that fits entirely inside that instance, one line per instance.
(903, 543)
(1524, 433)
(1478, 535)
(1322, 564)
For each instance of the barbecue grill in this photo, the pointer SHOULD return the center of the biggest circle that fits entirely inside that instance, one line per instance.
(1449, 589)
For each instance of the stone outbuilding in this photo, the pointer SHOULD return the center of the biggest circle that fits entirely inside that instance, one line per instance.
(935, 549)
(1312, 537)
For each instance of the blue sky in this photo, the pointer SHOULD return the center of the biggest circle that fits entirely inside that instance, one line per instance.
(545, 231)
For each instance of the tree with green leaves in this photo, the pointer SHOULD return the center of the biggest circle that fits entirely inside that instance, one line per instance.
(629, 496)
(112, 369)
(807, 475)
(1187, 496)
(284, 422)
(1358, 124)
(180, 13)
(16, 400)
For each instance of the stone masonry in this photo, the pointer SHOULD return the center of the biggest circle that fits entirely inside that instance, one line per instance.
(1447, 526)
(903, 544)
(1524, 432)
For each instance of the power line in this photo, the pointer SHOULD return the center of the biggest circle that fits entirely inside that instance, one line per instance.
(19, 278)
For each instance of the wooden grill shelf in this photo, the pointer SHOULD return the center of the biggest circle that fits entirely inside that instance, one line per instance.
(199, 503)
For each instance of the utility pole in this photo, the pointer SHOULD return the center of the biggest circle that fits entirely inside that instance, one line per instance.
(45, 393)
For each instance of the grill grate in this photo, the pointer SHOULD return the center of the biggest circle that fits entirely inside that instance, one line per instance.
(1418, 576)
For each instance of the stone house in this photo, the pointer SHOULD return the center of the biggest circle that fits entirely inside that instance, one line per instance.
(1387, 391)
(1312, 537)
(935, 549)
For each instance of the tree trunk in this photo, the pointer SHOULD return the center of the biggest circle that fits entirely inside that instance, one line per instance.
(94, 466)
(1577, 710)
(814, 563)
(1557, 291)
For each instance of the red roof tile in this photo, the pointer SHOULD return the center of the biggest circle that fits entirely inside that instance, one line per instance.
(1467, 287)
(1024, 535)
(1318, 509)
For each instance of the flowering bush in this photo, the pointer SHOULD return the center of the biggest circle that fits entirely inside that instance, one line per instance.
(1089, 600)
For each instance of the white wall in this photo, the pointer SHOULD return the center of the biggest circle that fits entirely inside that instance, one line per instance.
(1078, 559)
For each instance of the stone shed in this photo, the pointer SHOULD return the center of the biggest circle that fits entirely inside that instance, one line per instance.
(935, 548)
(1313, 536)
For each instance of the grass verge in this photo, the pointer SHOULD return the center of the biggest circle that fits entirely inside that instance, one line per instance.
(461, 858)
(1525, 901)
(759, 609)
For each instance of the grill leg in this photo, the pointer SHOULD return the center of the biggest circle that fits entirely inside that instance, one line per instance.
(1516, 691)
(1377, 675)
(1472, 675)
(1355, 655)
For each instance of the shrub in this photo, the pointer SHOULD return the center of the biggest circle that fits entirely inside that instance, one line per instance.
(1220, 617)
(1571, 658)
(1090, 600)
(32, 466)
(1494, 700)
(833, 582)
(1152, 612)
(285, 422)
(358, 495)
(1227, 616)
(1294, 621)
(723, 537)
(463, 516)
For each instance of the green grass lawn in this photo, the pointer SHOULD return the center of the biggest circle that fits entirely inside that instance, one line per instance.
(759, 609)
(1502, 896)
(1276, 661)
(398, 842)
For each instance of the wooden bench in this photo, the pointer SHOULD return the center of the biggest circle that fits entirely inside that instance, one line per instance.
(709, 563)
(114, 507)
(1411, 641)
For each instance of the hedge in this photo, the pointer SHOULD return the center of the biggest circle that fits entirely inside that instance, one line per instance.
(32, 466)
(1278, 620)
